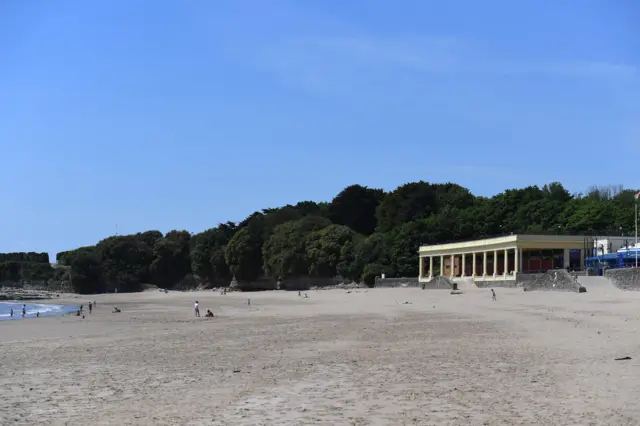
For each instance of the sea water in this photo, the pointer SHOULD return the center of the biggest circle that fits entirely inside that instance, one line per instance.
(45, 309)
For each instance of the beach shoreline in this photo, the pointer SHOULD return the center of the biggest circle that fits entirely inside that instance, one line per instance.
(366, 357)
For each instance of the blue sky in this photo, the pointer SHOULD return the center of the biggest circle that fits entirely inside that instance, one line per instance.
(182, 114)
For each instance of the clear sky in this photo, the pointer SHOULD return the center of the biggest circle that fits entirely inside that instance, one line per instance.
(179, 114)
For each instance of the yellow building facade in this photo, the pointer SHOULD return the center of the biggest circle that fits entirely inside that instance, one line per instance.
(502, 258)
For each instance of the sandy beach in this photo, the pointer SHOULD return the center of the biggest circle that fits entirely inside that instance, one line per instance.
(335, 358)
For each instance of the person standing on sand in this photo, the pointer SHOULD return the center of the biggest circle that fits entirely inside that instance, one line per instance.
(493, 295)
(90, 307)
(24, 310)
(196, 307)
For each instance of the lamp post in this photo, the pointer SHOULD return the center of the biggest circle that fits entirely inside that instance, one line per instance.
(636, 217)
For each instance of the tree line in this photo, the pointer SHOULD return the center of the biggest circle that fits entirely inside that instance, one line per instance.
(360, 234)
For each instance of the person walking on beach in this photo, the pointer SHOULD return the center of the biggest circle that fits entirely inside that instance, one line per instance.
(493, 295)
(24, 310)
(90, 307)
(196, 307)
(11, 314)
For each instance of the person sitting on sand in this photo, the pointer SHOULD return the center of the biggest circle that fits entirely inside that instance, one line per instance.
(115, 310)
(78, 313)
(209, 314)
(196, 308)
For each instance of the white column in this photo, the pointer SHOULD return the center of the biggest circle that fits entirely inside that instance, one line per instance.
(495, 263)
(484, 264)
(441, 266)
(506, 263)
(464, 264)
(473, 266)
(420, 267)
(516, 260)
(430, 267)
(566, 258)
(451, 274)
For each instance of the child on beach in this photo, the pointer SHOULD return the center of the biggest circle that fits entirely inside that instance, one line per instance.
(196, 307)
(493, 295)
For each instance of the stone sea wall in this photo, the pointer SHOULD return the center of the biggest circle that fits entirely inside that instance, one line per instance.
(625, 279)
(497, 284)
(396, 282)
(554, 280)
(291, 284)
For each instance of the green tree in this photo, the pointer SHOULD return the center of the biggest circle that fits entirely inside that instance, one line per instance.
(403, 248)
(86, 271)
(374, 250)
(452, 196)
(407, 203)
(207, 252)
(126, 260)
(324, 250)
(295, 240)
(243, 254)
(284, 253)
(355, 207)
(171, 259)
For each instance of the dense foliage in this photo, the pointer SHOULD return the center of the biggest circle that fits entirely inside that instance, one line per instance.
(359, 235)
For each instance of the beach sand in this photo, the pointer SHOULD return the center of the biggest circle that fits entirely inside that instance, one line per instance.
(336, 358)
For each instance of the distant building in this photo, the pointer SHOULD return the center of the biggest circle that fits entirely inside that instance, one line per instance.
(606, 245)
(502, 258)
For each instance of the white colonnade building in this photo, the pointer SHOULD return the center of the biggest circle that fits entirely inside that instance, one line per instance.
(503, 258)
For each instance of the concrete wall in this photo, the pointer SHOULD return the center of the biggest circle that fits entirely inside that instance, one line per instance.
(291, 284)
(624, 279)
(497, 283)
(397, 282)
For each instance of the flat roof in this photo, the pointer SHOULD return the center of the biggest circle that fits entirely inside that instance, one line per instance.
(503, 241)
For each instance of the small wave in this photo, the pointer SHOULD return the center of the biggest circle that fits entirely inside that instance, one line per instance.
(33, 310)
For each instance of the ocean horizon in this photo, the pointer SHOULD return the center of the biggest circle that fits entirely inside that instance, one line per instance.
(32, 309)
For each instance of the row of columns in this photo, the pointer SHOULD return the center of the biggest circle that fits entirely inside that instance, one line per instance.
(517, 260)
